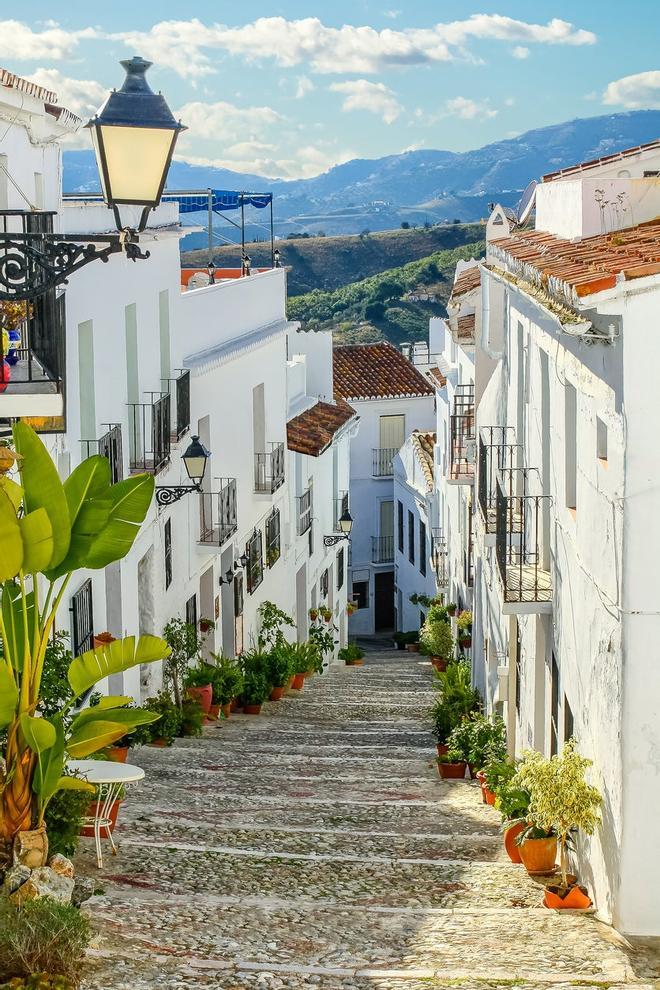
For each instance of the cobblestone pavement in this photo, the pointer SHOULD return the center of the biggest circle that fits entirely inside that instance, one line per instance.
(316, 846)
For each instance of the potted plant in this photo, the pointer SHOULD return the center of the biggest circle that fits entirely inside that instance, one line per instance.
(562, 802)
(399, 640)
(451, 766)
(227, 684)
(303, 658)
(206, 625)
(351, 607)
(256, 687)
(166, 722)
(352, 655)
(313, 614)
(198, 682)
(412, 641)
(457, 698)
(512, 802)
(280, 668)
(322, 642)
(193, 717)
(437, 642)
(272, 621)
(451, 608)
(185, 646)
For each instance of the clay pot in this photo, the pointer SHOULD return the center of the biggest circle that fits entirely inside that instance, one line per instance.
(298, 682)
(159, 743)
(489, 796)
(328, 618)
(117, 754)
(31, 848)
(289, 684)
(442, 749)
(439, 663)
(574, 898)
(412, 647)
(276, 693)
(452, 771)
(235, 705)
(355, 663)
(92, 811)
(510, 836)
(226, 709)
(202, 695)
(451, 611)
(465, 643)
(214, 713)
(252, 709)
(539, 855)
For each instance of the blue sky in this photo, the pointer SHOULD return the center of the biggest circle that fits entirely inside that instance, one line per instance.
(291, 88)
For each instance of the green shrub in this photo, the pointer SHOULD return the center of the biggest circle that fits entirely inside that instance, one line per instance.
(40, 981)
(305, 657)
(168, 725)
(457, 698)
(42, 936)
(199, 676)
(64, 819)
(256, 685)
(271, 623)
(351, 652)
(436, 640)
(192, 718)
(478, 738)
(280, 665)
(227, 680)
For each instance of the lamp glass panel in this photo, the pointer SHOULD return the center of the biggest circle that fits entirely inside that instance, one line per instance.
(345, 524)
(136, 158)
(195, 466)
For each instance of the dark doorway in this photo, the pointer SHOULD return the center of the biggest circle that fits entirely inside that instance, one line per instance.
(384, 601)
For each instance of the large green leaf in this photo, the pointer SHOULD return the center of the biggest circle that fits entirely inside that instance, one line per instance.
(42, 488)
(130, 718)
(74, 784)
(113, 658)
(12, 616)
(50, 765)
(92, 737)
(8, 693)
(11, 558)
(39, 733)
(87, 494)
(38, 540)
(12, 490)
(130, 503)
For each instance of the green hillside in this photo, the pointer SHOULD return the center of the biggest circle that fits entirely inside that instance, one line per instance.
(331, 262)
(379, 307)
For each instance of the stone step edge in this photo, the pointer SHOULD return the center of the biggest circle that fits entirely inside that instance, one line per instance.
(311, 830)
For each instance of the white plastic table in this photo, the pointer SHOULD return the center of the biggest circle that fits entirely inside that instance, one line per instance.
(108, 778)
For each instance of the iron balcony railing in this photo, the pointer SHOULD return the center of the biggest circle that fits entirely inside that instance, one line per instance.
(149, 433)
(462, 435)
(382, 466)
(218, 515)
(440, 558)
(522, 539)
(339, 508)
(382, 549)
(304, 511)
(497, 453)
(179, 390)
(109, 446)
(82, 615)
(269, 469)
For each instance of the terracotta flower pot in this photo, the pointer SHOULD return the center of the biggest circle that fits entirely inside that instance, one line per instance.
(412, 647)
(442, 749)
(465, 643)
(117, 754)
(214, 712)
(94, 809)
(574, 898)
(202, 695)
(289, 684)
(298, 682)
(103, 639)
(226, 709)
(252, 709)
(355, 663)
(510, 836)
(276, 693)
(235, 704)
(489, 796)
(452, 771)
(159, 743)
(539, 855)
(451, 611)
(439, 663)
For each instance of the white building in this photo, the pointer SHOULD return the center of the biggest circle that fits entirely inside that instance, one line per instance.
(564, 493)
(392, 399)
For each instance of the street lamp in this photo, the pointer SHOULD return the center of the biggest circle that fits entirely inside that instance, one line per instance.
(345, 523)
(211, 270)
(194, 460)
(134, 135)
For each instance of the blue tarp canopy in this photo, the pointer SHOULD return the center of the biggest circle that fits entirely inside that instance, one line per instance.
(222, 201)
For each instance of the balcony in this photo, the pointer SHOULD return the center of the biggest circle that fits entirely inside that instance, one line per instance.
(109, 446)
(340, 506)
(149, 433)
(217, 512)
(179, 390)
(462, 437)
(305, 508)
(382, 458)
(269, 469)
(382, 549)
(440, 558)
(522, 539)
(498, 455)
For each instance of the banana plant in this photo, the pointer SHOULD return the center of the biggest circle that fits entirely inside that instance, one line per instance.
(49, 530)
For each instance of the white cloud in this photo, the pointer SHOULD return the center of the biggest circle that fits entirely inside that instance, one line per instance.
(467, 109)
(82, 96)
(184, 45)
(520, 52)
(633, 92)
(19, 41)
(222, 121)
(392, 14)
(310, 160)
(360, 94)
(304, 85)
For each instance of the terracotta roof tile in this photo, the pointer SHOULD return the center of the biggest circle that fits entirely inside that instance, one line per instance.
(313, 430)
(375, 371)
(586, 266)
(470, 278)
(465, 327)
(594, 162)
(423, 444)
(437, 378)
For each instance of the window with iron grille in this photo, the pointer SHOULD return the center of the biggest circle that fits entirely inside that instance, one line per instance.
(361, 593)
(255, 564)
(340, 569)
(411, 537)
(422, 548)
(82, 615)
(323, 584)
(168, 553)
(399, 524)
(273, 548)
(191, 611)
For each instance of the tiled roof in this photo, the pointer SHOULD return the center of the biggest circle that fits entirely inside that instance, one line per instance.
(12, 81)
(465, 327)
(423, 444)
(470, 278)
(437, 378)
(582, 267)
(314, 429)
(594, 162)
(375, 371)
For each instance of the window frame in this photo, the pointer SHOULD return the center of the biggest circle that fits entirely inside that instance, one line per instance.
(341, 568)
(167, 555)
(422, 547)
(273, 538)
(411, 537)
(254, 569)
(360, 593)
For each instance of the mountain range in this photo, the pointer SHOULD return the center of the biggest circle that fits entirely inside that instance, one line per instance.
(416, 186)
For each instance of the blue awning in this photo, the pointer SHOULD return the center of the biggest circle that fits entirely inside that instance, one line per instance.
(222, 201)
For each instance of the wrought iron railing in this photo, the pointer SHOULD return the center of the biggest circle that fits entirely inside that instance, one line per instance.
(254, 570)
(109, 446)
(149, 433)
(273, 538)
(382, 549)
(382, 458)
(521, 539)
(462, 435)
(179, 389)
(304, 511)
(339, 508)
(82, 619)
(440, 558)
(218, 515)
(269, 469)
(497, 453)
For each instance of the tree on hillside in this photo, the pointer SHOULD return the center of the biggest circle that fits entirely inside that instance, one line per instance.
(405, 225)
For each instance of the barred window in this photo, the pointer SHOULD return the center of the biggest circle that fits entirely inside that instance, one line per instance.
(323, 584)
(273, 541)
(340, 569)
(255, 564)
(168, 553)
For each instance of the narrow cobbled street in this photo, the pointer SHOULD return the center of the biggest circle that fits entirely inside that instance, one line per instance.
(316, 846)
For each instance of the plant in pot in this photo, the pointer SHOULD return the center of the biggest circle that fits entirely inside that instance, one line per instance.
(451, 608)
(51, 529)
(193, 717)
(412, 641)
(399, 640)
(272, 621)
(303, 658)
(351, 607)
(512, 802)
(280, 669)
(166, 723)
(256, 686)
(325, 613)
(227, 683)
(185, 645)
(443, 718)
(452, 766)
(561, 802)
(198, 682)
(464, 629)
(313, 614)
(323, 641)
(437, 642)
(205, 625)
(487, 739)
(352, 655)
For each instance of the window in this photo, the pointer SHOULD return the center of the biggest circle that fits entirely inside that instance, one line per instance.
(422, 548)
(255, 564)
(601, 439)
(82, 615)
(340, 569)
(554, 708)
(361, 593)
(399, 524)
(323, 584)
(570, 444)
(273, 543)
(168, 553)
(310, 539)
(191, 611)
(411, 537)
(392, 432)
(569, 726)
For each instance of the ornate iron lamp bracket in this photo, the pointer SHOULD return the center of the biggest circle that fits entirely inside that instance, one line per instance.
(330, 541)
(167, 494)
